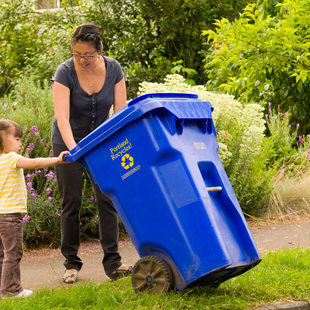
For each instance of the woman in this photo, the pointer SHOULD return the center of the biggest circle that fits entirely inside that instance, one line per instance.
(85, 88)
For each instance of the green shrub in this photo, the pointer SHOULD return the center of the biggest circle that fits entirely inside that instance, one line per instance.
(32, 106)
(33, 109)
(42, 222)
(31, 42)
(264, 56)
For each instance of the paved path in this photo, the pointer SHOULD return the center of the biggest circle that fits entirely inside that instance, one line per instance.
(45, 268)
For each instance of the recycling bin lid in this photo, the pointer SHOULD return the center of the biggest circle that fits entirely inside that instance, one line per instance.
(181, 105)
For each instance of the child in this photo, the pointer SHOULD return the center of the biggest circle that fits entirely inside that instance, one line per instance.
(13, 203)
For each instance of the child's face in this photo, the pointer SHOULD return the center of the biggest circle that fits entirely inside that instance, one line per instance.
(11, 142)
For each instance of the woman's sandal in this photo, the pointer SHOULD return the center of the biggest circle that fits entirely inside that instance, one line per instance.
(70, 278)
(120, 272)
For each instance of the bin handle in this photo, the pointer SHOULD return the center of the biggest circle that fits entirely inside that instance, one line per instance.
(68, 158)
(214, 189)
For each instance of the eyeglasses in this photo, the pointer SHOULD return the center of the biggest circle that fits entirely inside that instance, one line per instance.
(87, 57)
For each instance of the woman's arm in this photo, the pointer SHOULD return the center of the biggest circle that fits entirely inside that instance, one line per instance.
(35, 163)
(120, 95)
(61, 98)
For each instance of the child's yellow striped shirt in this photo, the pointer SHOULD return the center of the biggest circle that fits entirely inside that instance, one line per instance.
(13, 193)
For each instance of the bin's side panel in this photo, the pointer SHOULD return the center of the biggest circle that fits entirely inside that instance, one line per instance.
(215, 219)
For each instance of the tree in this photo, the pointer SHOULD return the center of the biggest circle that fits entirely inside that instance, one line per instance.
(264, 57)
(150, 37)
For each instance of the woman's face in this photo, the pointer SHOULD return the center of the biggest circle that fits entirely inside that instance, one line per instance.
(85, 55)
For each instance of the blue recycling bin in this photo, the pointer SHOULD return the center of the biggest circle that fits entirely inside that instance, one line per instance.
(157, 159)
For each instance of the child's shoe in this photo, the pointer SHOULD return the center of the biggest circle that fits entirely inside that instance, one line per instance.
(24, 294)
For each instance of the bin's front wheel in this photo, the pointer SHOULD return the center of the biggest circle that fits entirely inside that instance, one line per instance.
(152, 274)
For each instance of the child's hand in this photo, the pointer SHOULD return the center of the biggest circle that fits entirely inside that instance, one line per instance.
(62, 155)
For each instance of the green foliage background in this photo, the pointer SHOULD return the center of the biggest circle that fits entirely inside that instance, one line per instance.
(264, 56)
(147, 37)
(258, 57)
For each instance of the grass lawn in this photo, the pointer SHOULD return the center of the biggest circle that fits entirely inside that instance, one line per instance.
(280, 275)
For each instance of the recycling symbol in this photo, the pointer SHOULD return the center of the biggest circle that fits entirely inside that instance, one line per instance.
(127, 161)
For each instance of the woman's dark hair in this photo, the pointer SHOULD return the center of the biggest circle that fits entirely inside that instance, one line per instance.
(5, 126)
(87, 33)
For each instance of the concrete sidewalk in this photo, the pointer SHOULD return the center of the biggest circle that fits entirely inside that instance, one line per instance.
(44, 268)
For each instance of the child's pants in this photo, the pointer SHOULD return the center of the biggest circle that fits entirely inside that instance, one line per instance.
(11, 252)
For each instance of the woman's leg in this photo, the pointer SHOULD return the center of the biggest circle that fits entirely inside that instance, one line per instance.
(108, 230)
(70, 184)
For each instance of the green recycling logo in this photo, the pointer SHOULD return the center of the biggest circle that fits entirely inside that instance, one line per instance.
(127, 161)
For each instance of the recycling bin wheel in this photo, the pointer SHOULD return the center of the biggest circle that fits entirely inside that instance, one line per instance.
(151, 274)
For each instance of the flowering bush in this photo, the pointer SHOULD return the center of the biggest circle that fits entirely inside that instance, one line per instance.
(250, 157)
(42, 223)
(240, 129)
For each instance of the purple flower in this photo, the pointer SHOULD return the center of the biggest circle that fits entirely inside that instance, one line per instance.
(36, 133)
(26, 218)
(30, 146)
(33, 195)
(300, 140)
(50, 175)
(28, 176)
(42, 142)
(34, 129)
(28, 185)
(91, 199)
(297, 126)
(49, 190)
(49, 198)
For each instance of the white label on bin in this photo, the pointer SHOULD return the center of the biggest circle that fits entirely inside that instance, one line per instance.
(199, 145)
(120, 149)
